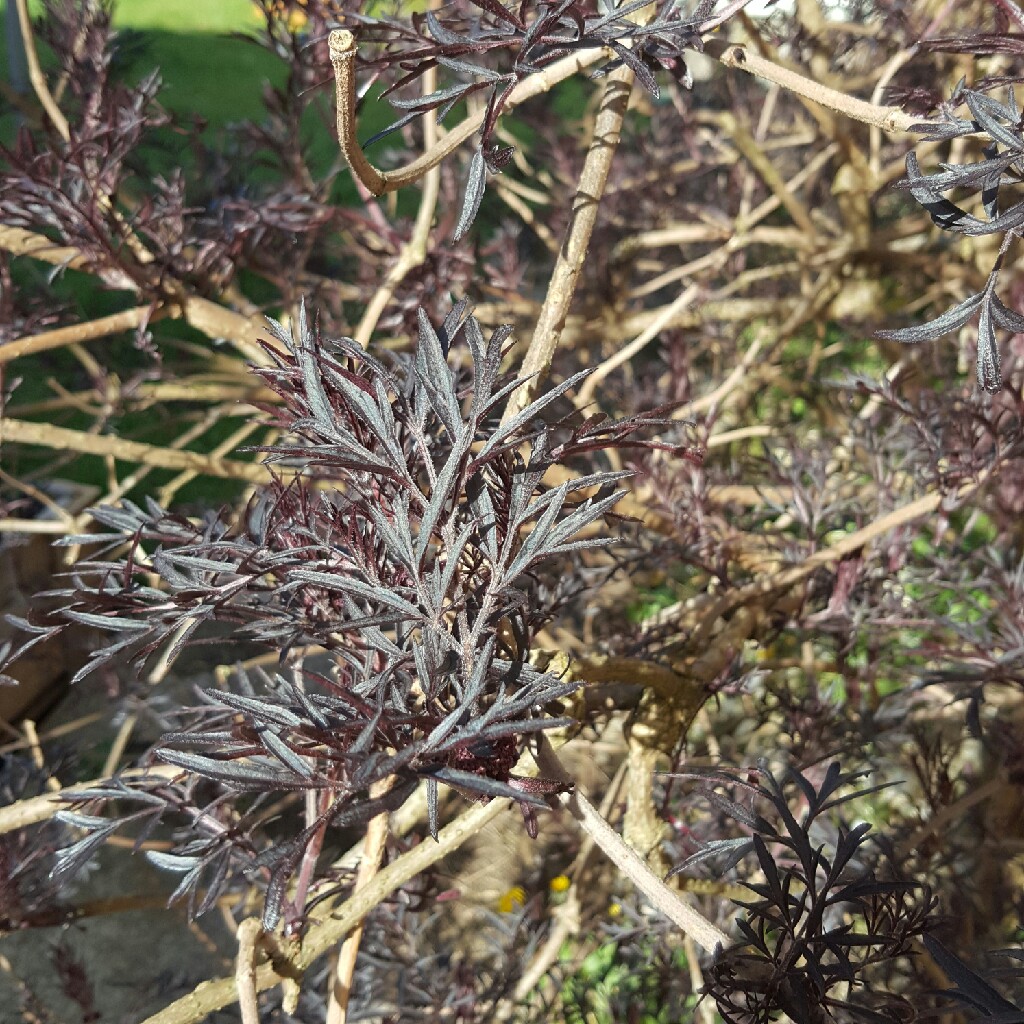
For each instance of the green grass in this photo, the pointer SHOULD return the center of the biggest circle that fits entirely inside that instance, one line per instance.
(211, 72)
(218, 78)
(651, 602)
(187, 15)
(205, 71)
(176, 15)
(603, 984)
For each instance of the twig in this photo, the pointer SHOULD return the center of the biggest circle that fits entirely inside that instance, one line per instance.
(799, 179)
(369, 864)
(707, 935)
(715, 397)
(33, 526)
(243, 332)
(226, 447)
(627, 352)
(92, 329)
(56, 731)
(343, 51)
(704, 1010)
(890, 119)
(209, 418)
(29, 243)
(723, 15)
(740, 434)
(712, 609)
(248, 935)
(36, 76)
(64, 517)
(42, 808)
(567, 923)
(120, 742)
(943, 817)
(61, 438)
(678, 234)
(509, 196)
(60, 123)
(62, 916)
(29, 728)
(737, 133)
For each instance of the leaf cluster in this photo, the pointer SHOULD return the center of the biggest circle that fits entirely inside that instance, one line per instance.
(79, 191)
(463, 37)
(820, 920)
(403, 539)
(989, 179)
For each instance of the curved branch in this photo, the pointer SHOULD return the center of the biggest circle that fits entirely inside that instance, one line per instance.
(343, 51)
(414, 252)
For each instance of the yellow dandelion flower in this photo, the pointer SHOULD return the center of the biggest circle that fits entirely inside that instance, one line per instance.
(512, 900)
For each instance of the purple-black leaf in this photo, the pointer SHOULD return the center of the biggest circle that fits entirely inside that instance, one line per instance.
(475, 186)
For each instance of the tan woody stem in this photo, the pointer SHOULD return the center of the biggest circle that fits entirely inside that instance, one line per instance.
(890, 119)
(343, 52)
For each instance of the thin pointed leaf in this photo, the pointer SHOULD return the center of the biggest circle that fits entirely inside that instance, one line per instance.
(951, 320)
(1008, 319)
(350, 585)
(284, 753)
(989, 376)
(985, 111)
(476, 184)
(435, 376)
(242, 775)
(443, 496)
(530, 412)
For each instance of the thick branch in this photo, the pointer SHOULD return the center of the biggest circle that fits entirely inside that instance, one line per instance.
(566, 272)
